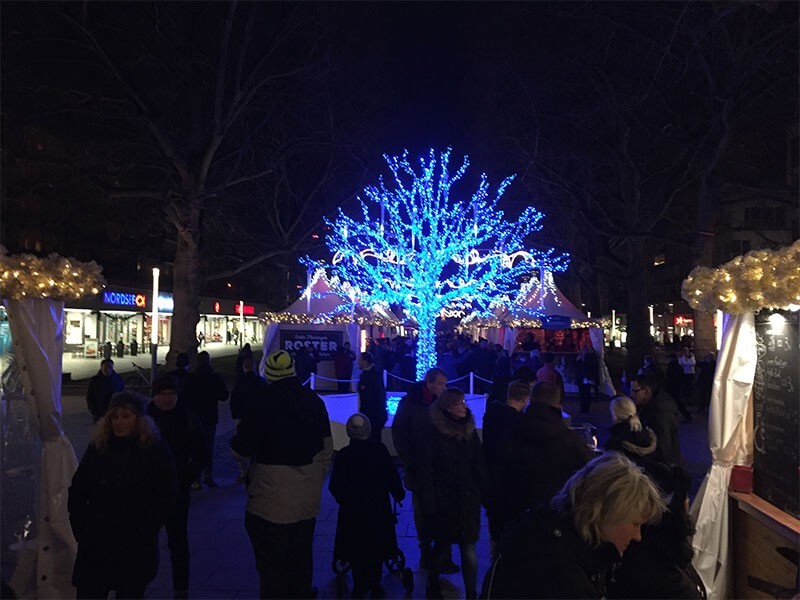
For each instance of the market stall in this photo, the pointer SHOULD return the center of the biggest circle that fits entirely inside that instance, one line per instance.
(324, 318)
(541, 316)
(748, 531)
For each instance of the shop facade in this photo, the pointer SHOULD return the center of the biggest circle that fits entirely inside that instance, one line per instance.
(122, 317)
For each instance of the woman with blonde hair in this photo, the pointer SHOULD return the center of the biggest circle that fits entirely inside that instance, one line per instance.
(627, 434)
(120, 495)
(565, 550)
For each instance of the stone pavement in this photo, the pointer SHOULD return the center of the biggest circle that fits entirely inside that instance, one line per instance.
(222, 564)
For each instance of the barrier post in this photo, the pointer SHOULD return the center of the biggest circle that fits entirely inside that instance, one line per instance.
(384, 379)
(314, 381)
(471, 382)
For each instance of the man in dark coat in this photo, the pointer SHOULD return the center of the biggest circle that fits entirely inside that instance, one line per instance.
(183, 433)
(102, 386)
(543, 452)
(499, 421)
(343, 368)
(288, 437)
(659, 412)
(248, 391)
(408, 434)
(362, 479)
(372, 395)
(205, 389)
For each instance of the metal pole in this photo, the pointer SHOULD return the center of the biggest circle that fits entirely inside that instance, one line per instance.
(154, 327)
(241, 323)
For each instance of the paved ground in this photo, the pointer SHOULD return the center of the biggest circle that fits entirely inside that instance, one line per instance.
(222, 560)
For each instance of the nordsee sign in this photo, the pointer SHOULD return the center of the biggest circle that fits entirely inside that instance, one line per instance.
(124, 299)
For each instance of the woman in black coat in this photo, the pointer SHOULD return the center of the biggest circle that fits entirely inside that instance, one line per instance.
(453, 482)
(362, 479)
(124, 487)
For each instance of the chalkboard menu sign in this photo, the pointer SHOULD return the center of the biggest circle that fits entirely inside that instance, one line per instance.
(776, 410)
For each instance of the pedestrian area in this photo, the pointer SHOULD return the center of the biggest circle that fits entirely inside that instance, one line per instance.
(222, 564)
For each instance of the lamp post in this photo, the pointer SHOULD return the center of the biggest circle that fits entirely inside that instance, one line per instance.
(241, 323)
(154, 327)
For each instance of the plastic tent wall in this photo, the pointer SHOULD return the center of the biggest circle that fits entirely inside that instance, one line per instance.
(730, 437)
(37, 331)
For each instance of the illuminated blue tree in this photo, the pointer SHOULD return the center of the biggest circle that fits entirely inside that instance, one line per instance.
(417, 246)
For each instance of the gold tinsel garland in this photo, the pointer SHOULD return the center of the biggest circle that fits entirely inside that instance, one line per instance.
(325, 319)
(55, 277)
(759, 279)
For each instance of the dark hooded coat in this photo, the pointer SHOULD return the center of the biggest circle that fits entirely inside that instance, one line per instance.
(362, 479)
(452, 478)
(543, 454)
(118, 500)
(541, 555)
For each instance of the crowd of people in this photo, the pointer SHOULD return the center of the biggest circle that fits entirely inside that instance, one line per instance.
(563, 522)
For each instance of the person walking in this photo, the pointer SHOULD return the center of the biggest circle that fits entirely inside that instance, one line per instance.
(499, 421)
(248, 391)
(542, 433)
(343, 368)
(372, 395)
(288, 439)
(362, 480)
(183, 433)
(549, 373)
(205, 389)
(408, 434)
(688, 364)
(121, 494)
(453, 483)
(102, 386)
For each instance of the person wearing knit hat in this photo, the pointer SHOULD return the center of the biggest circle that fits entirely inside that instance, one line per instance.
(287, 437)
(121, 493)
(183, 432)
(362, 480)
(358, 426)
(279, 365)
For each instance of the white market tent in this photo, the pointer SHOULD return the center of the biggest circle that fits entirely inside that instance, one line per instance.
(324, 316)
(34, 290)
(541, 305)
(739, 288)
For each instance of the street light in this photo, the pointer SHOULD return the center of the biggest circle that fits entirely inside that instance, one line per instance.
(241, 323)
(154, 327)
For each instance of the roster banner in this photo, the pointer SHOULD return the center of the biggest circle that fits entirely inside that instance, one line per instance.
(327, 343)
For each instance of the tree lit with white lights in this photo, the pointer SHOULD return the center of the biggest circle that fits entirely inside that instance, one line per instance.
(418, 244)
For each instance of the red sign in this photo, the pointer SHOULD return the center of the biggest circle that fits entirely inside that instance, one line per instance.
(249, 309)
(216, 307)
(683, 322)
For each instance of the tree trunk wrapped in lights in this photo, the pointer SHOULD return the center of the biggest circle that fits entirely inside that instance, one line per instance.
(430, 252)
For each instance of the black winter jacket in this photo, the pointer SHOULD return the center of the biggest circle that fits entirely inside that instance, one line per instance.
(543, 454)
(205, 389)
(101, 388)
(639, 446)
(408, 432)
(118, 501)
(661, 415)
(287, 428)
(452, 477)
(372, 397)
(183, 432)
(362, 479)
(250, 389)
(540, 555)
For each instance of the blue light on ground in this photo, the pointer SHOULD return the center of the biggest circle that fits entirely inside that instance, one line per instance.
(391, 404)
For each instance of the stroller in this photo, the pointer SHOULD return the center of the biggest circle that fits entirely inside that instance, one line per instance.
(395, 564)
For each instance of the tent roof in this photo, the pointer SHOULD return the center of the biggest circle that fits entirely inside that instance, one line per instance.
(328, 304)
(544, 301)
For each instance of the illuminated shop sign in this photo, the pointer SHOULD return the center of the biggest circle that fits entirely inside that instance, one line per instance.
(248, 309)
(124, 299)
(683, 321)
